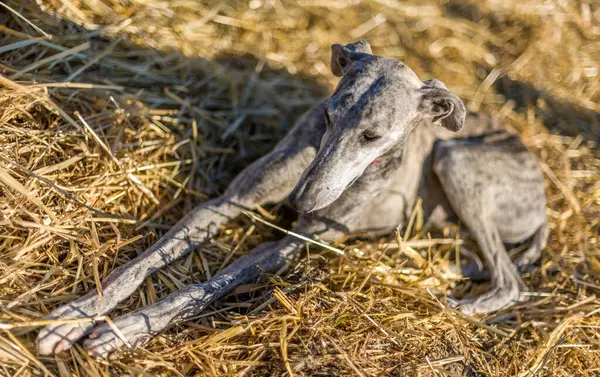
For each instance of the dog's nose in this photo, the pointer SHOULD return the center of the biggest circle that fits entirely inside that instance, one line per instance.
(301, 202)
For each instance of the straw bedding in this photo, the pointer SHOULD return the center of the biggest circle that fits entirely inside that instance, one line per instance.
(118, 116)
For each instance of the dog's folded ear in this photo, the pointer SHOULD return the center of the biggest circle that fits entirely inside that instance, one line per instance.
(342, 56)
(445, 109)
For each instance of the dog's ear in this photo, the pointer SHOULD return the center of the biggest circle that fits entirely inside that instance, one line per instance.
(342, 56)
(445, 109)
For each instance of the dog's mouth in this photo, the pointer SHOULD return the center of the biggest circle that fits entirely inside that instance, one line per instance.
(351, 182)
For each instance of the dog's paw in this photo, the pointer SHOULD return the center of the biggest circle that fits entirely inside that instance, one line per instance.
(56, 338)
(132, 330)
(495, 299)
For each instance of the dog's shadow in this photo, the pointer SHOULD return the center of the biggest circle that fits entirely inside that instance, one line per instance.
(557, 115)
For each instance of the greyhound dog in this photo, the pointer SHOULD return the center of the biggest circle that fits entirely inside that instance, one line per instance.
(357, 162)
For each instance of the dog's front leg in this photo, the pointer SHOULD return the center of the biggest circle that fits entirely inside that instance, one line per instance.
(269, 179)
(137, 328)
(187, 234)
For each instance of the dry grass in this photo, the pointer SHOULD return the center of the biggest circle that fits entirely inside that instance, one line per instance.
(118, 116)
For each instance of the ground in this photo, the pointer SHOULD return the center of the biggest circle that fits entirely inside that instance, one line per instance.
(118, 116)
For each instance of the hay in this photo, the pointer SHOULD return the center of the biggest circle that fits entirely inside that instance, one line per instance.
(117, 117)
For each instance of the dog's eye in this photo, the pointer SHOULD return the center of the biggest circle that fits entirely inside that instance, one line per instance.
(369, 135)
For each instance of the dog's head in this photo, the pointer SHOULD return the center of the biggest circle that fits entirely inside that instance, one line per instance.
(375, 106)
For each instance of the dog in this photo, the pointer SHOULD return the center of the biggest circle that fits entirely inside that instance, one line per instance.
(356, 162)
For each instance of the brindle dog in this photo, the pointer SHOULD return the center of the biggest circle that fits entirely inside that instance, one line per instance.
(354, 163)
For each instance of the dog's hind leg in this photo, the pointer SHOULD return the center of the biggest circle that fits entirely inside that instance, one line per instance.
(496, 188)
(269, 179)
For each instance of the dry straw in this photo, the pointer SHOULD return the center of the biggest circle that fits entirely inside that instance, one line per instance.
(117, 117)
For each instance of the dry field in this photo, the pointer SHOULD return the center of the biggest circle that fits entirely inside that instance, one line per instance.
(118, 116)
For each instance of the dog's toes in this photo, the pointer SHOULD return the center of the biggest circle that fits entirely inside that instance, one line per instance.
(102, 347)
(104, 340)
(526, 262)
(496, 299)
(59, 338)
(525, 267)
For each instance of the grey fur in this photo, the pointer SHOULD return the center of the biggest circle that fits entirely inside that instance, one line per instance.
(389, 139)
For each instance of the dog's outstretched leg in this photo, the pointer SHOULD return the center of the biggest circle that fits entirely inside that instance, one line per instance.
(187, 234)
(137, 328)
(269, 179)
